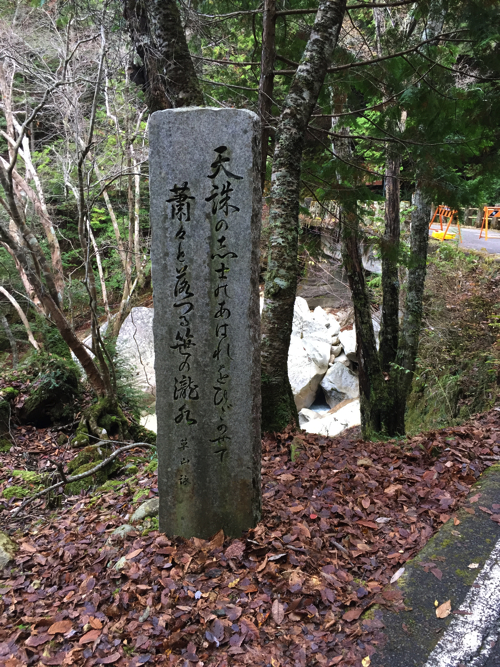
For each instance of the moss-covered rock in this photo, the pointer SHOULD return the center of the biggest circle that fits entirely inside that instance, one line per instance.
(98, 478)
(141, 434)
(29, 476)
(87, 459)
(53, 393)
(151, 467)
(15, 492)
(92, 454)
(5, 445)
(9, 393)
(5, 412)
(81, 438)
(8, 549)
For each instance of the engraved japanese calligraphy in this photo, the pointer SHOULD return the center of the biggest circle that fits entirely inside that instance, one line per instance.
(205, 216)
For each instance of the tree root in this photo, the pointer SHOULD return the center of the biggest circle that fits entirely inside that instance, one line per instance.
(67, 480)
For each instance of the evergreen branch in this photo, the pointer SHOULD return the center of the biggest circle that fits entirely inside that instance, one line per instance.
(228, 85)
(373, 61)
(310, 10)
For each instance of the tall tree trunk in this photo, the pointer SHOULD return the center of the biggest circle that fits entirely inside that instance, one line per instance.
(278, 406)
(23, 317)
(266, 85)
(389, 331)
(412, 320)
(371, 380)
(169, 76)
(48, 297)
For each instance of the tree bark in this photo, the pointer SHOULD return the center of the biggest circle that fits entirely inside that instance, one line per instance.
(266, 85)
(279, 408)
(389, 330)
(23, 317)
(169, 77)
(412, 320)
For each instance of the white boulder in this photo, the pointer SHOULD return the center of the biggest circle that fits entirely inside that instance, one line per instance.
(306, 415)
(348, 342)
(301, 314)
(336, 421)
(339, 384)
(321, 316)
(336, 350)
(342, 359)
(303, 372)
(334, 325)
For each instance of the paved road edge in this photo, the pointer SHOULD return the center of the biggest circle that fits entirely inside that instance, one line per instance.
(412, 635)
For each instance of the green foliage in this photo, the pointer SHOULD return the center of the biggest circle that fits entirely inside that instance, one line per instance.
(55, 386)
(296, 447)
(15, 492)
(457, 372)
(27, 476)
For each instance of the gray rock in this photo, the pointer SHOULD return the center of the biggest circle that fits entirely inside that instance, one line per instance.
(120, 563)
(301, 314)
(334, 422)
(305, 416)
(335, 340)
(135, 346)
(342, 359)
(348, 341)
(8, 549)
(304, 374)
(339, 384)
(121, 532)
(205, 209)
(148, 508)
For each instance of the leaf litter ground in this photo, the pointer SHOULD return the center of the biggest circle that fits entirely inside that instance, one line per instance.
(337, 524)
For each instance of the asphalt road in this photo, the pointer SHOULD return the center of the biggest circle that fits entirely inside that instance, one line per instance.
(470, 239)
(472, 638)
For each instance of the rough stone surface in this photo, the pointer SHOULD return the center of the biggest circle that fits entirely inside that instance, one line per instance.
(120, 563)
(321, 316)
(7, 550)
(338, 384)
(336, 350)
(121, 532)
(348, 342)
(306, 415)
(205, 203)
(136, 346)
(336, 421)
(342, 359)
(148, 508)
(334, 327)
(304, 374)
(301, 314)
(318, 351)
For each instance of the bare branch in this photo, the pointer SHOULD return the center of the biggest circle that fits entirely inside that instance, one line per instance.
(83, 475)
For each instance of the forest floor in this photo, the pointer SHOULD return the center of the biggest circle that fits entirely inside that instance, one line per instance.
(305, 587)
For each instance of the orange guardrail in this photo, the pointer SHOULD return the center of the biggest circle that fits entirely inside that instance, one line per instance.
(447, 214)
(489, 211)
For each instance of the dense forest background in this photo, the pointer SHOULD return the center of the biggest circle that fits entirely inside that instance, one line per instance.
(364, 103)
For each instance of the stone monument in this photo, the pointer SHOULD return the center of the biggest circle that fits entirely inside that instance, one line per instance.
(205, 203)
